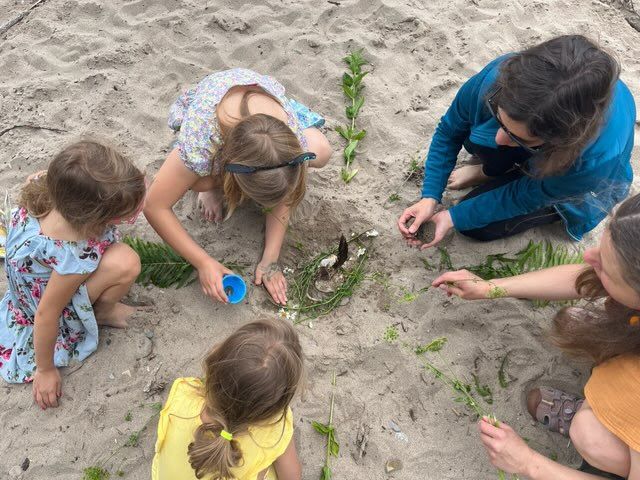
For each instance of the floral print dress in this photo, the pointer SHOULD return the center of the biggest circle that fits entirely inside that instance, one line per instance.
(31, 258)
(193, 116)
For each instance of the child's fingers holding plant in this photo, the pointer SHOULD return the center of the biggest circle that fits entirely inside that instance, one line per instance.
(47, 388)
(506, 450)
(270, 275)
(210, 274)
(463, 284)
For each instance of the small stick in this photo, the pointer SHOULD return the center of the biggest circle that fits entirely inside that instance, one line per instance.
(34, 127)
(18, 18)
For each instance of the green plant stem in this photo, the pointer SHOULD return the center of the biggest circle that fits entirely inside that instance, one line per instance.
(333, 395)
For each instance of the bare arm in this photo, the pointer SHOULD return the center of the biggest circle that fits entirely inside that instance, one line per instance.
(288, 465)
(267, 270)
(634, 472)
(47, 384)
(556, 283)
(171, 183)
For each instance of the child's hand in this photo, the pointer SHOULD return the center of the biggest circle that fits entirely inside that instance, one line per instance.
(210, 274)
(464, 284)
(47, 388)
(270, 275)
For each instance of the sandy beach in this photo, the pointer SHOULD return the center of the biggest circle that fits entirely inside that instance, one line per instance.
(112, 69)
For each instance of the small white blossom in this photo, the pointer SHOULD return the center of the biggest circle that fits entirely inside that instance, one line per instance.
(287, 270)
(372, 233)
(361, 251)
(283, 314)
(310, 324)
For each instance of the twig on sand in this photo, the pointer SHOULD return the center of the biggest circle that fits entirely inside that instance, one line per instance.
(33, 127)
(18, 18)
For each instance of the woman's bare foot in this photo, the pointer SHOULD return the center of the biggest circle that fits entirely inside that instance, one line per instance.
(211, 204)
(467, 176)
(113, 314)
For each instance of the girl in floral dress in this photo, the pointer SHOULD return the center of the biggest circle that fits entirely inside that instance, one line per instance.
(66, 273)
(239, 137)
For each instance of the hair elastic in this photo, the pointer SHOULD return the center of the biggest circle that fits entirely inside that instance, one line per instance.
(226, 435)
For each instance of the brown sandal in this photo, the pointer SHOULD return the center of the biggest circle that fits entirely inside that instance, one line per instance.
(553, 408)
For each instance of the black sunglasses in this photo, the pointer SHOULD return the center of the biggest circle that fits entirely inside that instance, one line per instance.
(493, 109)
(238, 168)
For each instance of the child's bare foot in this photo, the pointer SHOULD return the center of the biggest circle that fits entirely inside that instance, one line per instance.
(467, 176)
(211, 204)
(113, 314)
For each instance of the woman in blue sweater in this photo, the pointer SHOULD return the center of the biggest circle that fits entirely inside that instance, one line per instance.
(552, 129)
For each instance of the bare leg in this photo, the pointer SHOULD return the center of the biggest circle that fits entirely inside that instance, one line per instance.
(318, 144)
(467, 176)
(210, 198)
(597, 445)
(111, 281)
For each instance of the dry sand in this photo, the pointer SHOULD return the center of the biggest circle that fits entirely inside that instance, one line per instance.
(113, 68)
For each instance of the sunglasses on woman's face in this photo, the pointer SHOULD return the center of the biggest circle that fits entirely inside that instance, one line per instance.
(237, 168)
(493, 109)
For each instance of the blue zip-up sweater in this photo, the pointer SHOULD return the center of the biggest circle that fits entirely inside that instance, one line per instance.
(583, 195)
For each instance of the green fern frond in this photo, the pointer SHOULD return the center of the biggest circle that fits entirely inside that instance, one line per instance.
(535, 256)
(161, 265)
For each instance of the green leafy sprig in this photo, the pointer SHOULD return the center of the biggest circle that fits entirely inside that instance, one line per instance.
(352, 87)
(328, 430)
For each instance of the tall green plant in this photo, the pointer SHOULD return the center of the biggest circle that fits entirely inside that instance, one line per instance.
(352, 87)
(329, 430)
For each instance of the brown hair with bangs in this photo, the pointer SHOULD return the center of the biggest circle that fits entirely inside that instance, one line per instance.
(90, 184)
(250, 378)
(603, 330)
(261, 140)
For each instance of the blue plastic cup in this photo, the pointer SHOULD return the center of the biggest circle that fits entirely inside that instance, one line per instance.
(234, 287)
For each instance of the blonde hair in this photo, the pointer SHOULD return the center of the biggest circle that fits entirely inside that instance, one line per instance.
(261, 140)
(90, 184)
(250, 378)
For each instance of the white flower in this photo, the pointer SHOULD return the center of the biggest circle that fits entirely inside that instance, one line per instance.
(372, 233)
(329, 261)
(283, 314)
(310, 324)
(287, 270)
(361, 251)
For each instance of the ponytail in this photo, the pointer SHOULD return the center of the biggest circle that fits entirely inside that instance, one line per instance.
(35, 196)
(214, 451)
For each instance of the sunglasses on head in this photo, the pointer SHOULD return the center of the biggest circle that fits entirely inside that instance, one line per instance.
(238, 168)
(493, 109)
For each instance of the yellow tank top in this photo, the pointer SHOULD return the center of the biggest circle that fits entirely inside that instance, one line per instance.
(178, 421)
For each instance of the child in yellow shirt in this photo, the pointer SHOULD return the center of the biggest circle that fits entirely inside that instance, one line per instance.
(235, 423)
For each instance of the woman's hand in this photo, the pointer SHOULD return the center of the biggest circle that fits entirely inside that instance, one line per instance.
(270, 275)
(420, 212)
(506, 450)
(464, 284)
(47, 388)
(443, 223)
(210, 273)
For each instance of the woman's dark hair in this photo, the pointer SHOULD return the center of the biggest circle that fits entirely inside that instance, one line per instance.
(561, 90)
(250, 378)
(605, 331)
